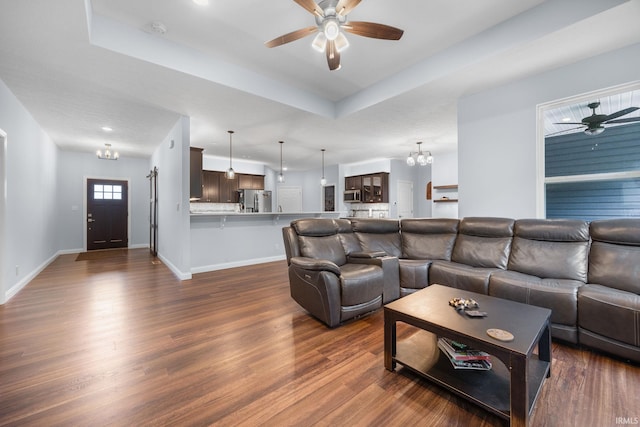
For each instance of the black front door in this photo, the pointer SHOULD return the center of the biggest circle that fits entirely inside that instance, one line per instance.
(107, 213)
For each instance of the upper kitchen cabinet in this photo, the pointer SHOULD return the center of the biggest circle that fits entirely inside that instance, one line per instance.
(353, 183)
(195, 173)
(250, 182)
(375, 188)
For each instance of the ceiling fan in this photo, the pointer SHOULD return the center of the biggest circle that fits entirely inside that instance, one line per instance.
(594, 123)
(331, 21)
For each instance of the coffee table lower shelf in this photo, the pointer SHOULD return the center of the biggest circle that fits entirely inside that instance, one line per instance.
(488, 389)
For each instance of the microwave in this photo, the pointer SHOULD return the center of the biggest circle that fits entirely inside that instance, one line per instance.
(351, 196)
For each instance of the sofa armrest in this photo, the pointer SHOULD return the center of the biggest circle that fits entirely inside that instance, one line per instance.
(391, 272)
(314, 264)
(367, 255)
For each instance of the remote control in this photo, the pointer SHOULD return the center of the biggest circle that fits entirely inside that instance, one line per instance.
(476, 313)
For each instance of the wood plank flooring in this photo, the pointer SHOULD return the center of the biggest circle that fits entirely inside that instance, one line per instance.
(122, 342)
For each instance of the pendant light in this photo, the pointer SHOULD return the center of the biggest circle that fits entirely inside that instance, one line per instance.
(323, 180)
(281, 175)
(230, 173)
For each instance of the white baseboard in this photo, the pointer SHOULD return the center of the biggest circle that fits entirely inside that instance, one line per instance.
(223, 266)
(179, 274)
(29, 277)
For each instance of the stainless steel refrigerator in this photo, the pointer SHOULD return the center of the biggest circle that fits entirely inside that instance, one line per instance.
(255, 200)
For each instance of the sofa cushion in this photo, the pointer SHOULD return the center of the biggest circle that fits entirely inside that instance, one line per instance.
(428, 239)
(483, 242)
(349, 240)
(559, 295)
(610, 312)
(360, 283)
(378, 235)
(614, 259)
(414, 275)
(326, 247)
(315, 227)
(461, 276)
(550, 248)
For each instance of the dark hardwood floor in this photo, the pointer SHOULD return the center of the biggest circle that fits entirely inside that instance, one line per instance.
(120, 341)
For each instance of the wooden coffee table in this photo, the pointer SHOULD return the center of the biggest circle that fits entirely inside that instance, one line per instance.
(510, 388)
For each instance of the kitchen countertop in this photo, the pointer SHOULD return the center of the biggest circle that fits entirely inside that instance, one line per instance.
(262, 213)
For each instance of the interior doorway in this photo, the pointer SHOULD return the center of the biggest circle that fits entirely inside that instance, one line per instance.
(405, 199)
(107, 214)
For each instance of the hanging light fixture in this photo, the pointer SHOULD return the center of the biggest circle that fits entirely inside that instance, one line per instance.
(323, 180)
(230, 173)
(281, 175)
(107, 155)
(419, 157)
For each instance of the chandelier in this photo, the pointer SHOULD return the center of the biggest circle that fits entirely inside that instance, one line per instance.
(419, 157)
(107, 155)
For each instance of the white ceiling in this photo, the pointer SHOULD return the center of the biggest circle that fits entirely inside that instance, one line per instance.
(78, 65)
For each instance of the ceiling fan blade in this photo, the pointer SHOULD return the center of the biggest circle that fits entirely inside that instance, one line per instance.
(563, 131)
(373, 30)
(292, 36)
(333, 56)
(627, 120)
(620, 113)
(311, 6)
(345, 6)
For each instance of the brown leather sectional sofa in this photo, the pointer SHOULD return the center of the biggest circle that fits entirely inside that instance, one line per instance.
(588, 274)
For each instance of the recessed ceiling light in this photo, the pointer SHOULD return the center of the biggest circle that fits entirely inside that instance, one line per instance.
(106, 129)
(201, 2)
(566, 119)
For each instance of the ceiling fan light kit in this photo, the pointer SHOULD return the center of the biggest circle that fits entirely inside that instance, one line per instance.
(331, 23)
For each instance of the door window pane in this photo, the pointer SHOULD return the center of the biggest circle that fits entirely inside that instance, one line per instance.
(107, 192)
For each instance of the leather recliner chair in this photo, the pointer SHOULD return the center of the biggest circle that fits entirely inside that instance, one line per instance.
(330, 284)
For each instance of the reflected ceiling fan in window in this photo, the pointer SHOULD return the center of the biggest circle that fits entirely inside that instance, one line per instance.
(331, 23)
(593, 124)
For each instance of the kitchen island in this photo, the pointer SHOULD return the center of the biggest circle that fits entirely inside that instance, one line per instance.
(222, 240)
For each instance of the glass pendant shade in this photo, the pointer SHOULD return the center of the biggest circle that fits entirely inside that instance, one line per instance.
(410, 160)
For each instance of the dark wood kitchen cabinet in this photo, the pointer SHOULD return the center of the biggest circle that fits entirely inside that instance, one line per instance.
(250, 182)
(211, 186)
(228, 189)
(353, 183)
(195, 172)
(374, 188)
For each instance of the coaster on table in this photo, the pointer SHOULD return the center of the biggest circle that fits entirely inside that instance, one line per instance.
(500, 334)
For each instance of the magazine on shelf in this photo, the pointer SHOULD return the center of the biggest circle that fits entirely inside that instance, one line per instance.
(458, 351)
(481, 362)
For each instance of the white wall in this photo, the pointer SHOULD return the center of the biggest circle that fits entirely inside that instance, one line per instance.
(444, 172)
(174, 237)
(74, 169)
(497, 132)
(30, 220)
